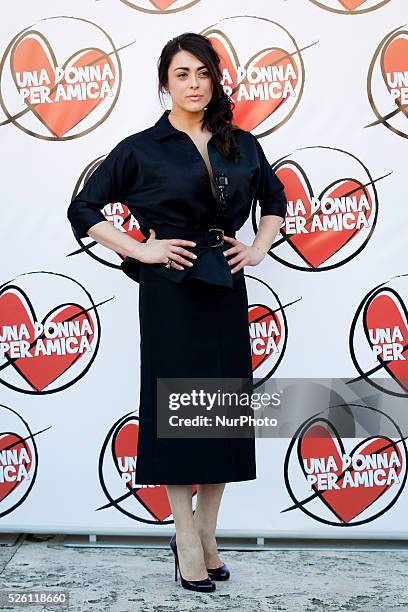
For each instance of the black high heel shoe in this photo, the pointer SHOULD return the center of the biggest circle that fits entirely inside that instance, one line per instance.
(219, 573)
(203, 586)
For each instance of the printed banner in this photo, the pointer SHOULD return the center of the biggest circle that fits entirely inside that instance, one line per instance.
(323, 86)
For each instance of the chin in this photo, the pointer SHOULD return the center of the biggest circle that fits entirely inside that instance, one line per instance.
(196, 107)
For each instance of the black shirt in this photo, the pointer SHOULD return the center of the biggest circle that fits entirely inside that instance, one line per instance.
(162, 177)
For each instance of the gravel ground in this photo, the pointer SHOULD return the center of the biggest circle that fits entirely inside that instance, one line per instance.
(142, 580)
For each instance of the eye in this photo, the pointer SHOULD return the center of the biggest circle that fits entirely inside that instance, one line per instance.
(182, 74)
(204, 73)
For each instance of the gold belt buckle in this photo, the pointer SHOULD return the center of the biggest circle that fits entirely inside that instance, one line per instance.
(221, 239)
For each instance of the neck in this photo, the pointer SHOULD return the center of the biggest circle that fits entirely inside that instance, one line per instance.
(185, 120)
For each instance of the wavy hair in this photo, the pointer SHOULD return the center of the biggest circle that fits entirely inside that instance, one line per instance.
(218, 114)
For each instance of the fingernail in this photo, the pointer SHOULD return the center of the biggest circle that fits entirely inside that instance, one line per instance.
(195, 256)
(194, 244)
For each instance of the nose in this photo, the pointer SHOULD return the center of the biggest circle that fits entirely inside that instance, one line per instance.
(194, 81)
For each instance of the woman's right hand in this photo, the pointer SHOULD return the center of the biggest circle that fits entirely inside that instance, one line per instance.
(160, 250)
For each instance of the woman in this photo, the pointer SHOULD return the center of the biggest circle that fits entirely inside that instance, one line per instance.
(190, 181)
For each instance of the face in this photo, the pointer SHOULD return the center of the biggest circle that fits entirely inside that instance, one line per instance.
(189, 83)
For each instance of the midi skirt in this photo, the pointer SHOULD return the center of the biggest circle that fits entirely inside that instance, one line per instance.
(193, 329)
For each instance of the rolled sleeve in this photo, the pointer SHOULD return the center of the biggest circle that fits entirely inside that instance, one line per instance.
(271, 191)
(105, 185)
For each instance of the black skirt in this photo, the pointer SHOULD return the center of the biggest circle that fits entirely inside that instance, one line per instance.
(192, 329)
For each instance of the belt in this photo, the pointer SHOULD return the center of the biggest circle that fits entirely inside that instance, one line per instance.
(212, 237)
(211, 265)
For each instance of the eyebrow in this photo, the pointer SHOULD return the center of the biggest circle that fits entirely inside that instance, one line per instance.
(185, 68)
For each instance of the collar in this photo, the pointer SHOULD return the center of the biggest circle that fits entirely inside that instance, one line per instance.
(163, 128)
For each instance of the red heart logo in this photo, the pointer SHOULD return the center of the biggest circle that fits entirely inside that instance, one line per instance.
(162, 4)
(119, 214)
(40, 370)
(318, 246)
(15, 443)
(347, 502)
(387, 310)
(261, 317)
(154, 498)
(394, 59)
(351, 5)
(248, 114)
(33, 53)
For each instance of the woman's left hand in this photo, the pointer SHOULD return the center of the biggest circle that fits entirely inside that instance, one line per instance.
(244, 255)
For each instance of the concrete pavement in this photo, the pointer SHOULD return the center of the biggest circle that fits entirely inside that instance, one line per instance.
(142, 580)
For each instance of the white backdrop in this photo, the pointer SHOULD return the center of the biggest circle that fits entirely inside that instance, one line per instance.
(336, 128)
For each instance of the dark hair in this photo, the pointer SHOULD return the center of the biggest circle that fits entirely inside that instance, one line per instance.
(218, 114)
